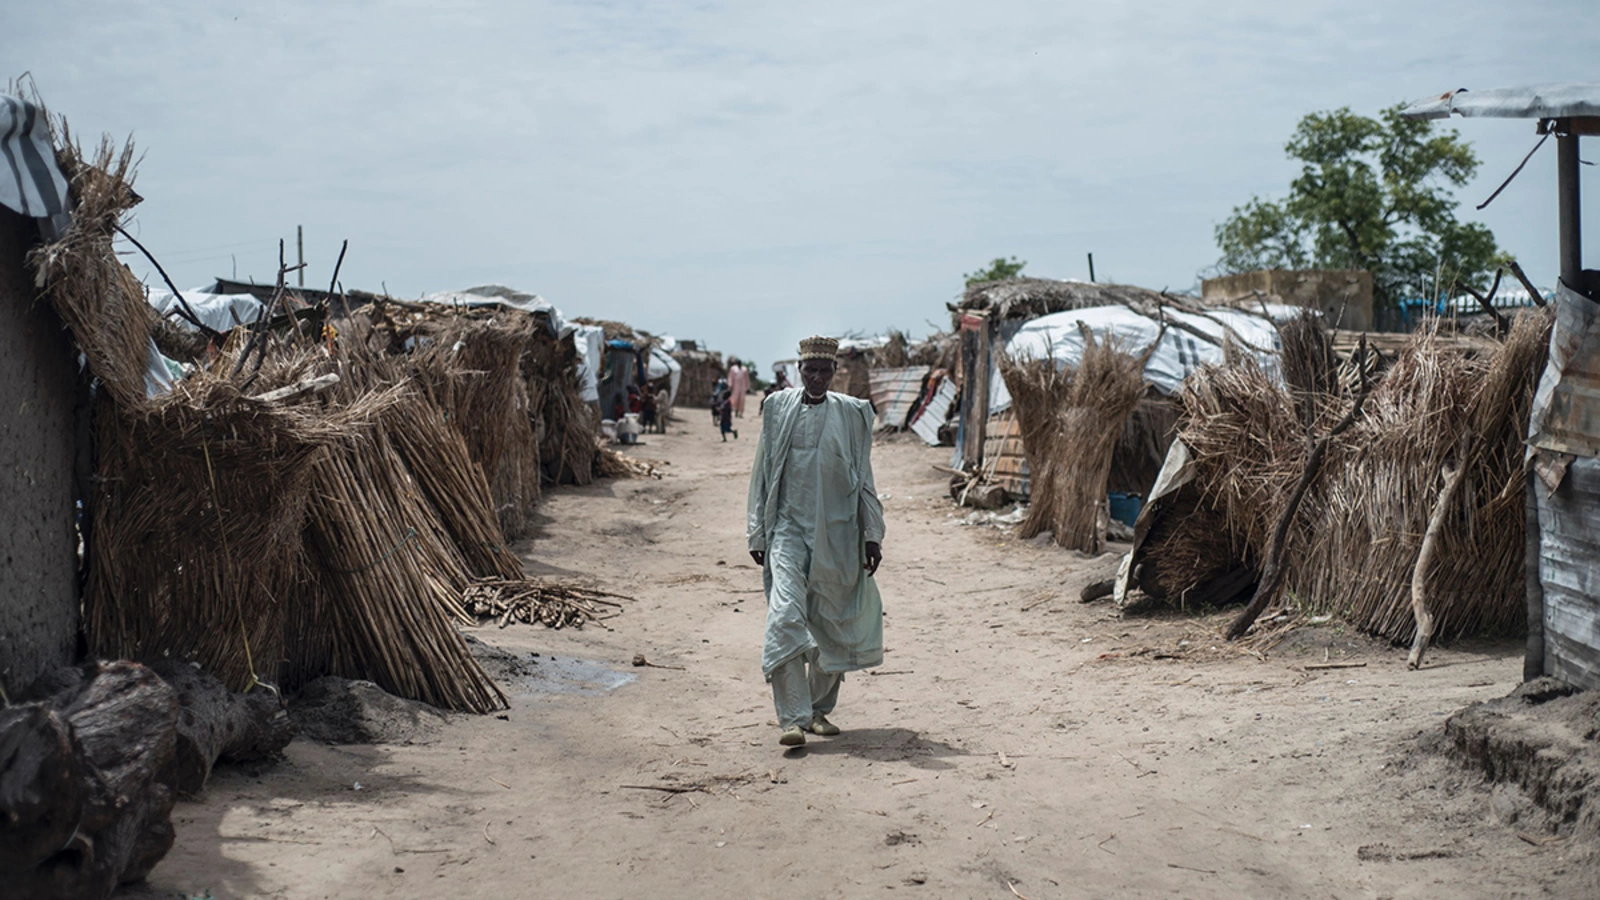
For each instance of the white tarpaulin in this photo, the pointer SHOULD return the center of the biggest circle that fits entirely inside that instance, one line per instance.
(219, 312)
(510, 298)
(589, 341)
(1057, 337)
(662, 365)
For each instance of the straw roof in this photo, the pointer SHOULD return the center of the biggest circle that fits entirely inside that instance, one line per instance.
(1030, 298)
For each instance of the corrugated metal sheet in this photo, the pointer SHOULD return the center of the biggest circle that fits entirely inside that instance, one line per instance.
(895, 393)
(938, 410)
(1569, 570)
(1566, 407)
(1541, 101)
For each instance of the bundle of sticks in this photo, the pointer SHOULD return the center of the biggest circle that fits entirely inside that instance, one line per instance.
(611, 463)
(536, 601)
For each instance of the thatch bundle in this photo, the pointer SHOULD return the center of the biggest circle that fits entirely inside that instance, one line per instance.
(1071, 420)
(1373, 511)
(386, 577)
(1030, 298)
(568, 428)
(197, 515)
(1354, 545)
(97, 297)
(471, 364)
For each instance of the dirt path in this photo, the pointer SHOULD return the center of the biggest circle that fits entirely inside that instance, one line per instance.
(1016, 743)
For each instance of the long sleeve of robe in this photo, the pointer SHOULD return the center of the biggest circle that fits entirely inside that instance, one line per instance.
(812, 507)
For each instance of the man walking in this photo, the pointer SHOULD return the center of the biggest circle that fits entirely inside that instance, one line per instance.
(815, 526)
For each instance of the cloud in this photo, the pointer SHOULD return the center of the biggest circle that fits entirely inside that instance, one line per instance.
(746, 173)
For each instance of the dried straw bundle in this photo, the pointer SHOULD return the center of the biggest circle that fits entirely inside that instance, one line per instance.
(1355, 544)
(472, 364)
(567, 427)
(1071, 423)
(387, 580)
(1374, 506)
(198, 508)
(94, 293)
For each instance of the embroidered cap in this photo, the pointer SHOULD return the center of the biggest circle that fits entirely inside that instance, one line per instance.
(819, 347)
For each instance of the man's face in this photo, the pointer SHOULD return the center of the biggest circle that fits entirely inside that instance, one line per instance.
(817, 374)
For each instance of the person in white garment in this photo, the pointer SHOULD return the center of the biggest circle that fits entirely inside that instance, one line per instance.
(815, 526)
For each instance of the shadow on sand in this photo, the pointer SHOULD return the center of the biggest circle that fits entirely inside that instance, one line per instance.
(882, 745)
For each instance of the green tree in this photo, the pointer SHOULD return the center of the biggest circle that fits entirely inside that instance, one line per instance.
(1000, 269)
(1374, 194)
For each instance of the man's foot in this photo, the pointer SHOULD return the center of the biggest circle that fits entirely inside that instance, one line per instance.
(821, 725)
(792, 736)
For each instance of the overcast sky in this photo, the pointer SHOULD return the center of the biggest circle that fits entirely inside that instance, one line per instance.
(750, 173)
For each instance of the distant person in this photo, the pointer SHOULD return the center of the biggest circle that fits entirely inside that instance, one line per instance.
(738, 386)
(718, 392)
(647, 410)
(725, 418)
(815, 526)
(635, 401)
(663, 407)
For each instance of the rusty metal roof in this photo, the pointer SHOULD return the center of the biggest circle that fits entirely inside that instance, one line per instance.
(1542, 101)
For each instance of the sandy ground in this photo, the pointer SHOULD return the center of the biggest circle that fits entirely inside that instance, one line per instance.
(1016, 743)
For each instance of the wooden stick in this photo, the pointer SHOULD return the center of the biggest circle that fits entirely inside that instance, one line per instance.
(1430, 543)
(1272, 571)
(185, 310)
(1336, 665)
(1527, 284)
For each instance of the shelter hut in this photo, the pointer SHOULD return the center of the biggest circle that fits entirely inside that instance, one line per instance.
(702, 369)
(1562, 513)
(624, 363)
(1037, 318)
(246, 514)
(1440, 413)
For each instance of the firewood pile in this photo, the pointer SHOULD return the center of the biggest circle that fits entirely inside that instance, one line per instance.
(539, 602)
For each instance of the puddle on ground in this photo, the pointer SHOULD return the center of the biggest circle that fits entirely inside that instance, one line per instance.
(564, 675)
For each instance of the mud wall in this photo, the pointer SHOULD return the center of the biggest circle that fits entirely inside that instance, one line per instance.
(38, 543)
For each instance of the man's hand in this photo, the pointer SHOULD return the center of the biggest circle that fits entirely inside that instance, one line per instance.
(760, 556)
(874, 557)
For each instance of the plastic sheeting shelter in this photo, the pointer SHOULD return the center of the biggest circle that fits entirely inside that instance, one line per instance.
(662, 365)
(1059, 337)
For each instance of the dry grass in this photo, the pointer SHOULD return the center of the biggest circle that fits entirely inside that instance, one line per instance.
(98, 298)
(1355, 544)
(1072, 419)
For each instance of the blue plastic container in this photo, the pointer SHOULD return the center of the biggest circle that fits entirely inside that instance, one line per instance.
(1125, 507)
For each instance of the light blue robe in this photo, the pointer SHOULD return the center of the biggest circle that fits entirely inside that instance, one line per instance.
(812, 508)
